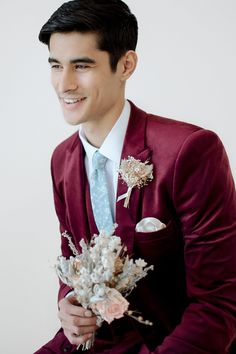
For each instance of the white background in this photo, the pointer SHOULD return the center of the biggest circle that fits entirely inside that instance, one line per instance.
(186, 71)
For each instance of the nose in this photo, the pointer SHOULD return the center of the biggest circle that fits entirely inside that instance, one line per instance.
(68, 81)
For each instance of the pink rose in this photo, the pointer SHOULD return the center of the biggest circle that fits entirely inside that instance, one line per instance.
(113, 307)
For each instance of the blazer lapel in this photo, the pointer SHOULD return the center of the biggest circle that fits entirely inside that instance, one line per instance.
(135, 146)
(75, 187)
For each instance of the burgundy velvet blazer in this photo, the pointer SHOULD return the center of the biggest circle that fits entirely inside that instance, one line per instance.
(191, 294)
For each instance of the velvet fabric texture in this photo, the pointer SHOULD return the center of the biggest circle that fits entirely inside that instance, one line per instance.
(191, 294)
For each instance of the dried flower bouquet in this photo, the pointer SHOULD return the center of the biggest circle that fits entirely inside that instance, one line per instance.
(102, 275)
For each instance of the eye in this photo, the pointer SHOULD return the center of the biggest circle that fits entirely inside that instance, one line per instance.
(82, 67)
(56, 66)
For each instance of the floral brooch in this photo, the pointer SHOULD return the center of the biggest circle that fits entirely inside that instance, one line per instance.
(134, 173)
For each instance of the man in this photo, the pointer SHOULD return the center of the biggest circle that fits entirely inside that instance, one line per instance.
(191, 295)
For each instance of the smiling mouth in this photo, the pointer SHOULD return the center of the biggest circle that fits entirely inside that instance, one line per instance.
(73, 100)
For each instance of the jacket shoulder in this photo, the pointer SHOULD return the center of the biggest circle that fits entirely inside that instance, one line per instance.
(159, 128)
(59, 155)
(167, 136)
(172, 135)
(66, 145)
(170, 128)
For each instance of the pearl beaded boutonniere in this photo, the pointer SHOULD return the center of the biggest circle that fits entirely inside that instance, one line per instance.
(134, 173)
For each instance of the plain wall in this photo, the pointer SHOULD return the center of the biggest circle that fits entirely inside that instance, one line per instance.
(186, 71)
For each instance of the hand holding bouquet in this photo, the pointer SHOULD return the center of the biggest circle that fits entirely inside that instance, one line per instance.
(102, 275)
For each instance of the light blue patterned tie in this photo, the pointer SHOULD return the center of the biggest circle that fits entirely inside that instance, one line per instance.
(99, 194)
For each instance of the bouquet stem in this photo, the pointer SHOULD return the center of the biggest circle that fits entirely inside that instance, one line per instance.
(88, 344)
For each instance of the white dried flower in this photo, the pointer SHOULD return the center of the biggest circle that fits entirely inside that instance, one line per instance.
(100, 274)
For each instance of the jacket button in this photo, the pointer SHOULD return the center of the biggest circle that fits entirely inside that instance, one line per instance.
(66, 349)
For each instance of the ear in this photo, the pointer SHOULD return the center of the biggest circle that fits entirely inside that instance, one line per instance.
(128, 64)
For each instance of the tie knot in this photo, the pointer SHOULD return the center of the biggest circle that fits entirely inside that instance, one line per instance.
(99, 161)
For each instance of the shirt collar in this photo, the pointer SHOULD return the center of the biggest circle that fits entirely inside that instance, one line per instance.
(89, 149)
(113, 143)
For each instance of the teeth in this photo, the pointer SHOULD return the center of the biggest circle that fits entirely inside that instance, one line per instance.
(73, 100)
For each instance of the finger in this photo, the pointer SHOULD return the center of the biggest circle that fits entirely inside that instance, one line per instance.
(83, 321)
(70, 306)
(73, 300)
(76, 340)
(77, 320)
(79, 331)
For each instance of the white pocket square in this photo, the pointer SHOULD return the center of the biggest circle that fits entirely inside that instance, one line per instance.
(149, 225)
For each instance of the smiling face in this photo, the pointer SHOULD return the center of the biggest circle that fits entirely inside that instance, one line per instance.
(88, 90)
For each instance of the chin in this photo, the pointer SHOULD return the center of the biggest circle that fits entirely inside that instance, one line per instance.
(72, 120)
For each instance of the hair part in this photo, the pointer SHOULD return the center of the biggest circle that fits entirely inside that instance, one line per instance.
(116, 27)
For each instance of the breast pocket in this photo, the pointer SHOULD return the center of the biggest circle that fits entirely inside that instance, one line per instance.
(158, 246)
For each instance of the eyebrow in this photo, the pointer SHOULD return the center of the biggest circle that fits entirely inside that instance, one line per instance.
(85, 60)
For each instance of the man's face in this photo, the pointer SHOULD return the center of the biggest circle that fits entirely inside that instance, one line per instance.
(81, 74)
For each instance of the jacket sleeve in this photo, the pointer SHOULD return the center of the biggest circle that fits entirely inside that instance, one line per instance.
(60, 208)
(205, 202)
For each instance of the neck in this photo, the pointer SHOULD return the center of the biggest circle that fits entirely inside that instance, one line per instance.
(97, 131)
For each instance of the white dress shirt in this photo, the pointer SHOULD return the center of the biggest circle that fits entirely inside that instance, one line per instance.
(112, 149)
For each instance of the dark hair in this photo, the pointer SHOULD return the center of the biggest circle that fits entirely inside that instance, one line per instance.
(111, 20)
